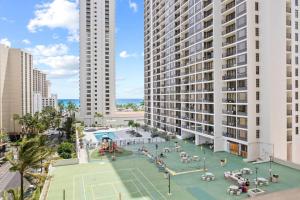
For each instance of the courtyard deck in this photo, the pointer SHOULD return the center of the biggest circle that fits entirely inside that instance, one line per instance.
(134, 177)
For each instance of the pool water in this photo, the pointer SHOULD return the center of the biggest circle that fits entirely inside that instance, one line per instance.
(100, 135)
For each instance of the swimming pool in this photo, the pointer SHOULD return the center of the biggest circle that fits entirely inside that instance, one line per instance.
(99, 135)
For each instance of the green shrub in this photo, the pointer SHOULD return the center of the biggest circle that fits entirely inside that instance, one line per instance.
(65, 150)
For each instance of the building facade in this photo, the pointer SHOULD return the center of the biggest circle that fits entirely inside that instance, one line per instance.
(97, 59)
(16, 86)
(225, 72)
(50, 101)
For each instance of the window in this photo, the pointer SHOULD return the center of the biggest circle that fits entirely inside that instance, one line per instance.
(296, 107)
(257, 121)
(256, 6)
(257, 82)
(296, 83)
(257, 134)
(257, 57)
(257, 95)
(296, 95)
(297, 119)
(257, 70)
(257, 31)
(296, 48)
(256, 19)
(297, 131)
(257, 44)
(257, 108)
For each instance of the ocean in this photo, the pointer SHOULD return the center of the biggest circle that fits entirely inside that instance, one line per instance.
(118, 101)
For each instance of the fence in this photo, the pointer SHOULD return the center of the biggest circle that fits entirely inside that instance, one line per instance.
(130, 141)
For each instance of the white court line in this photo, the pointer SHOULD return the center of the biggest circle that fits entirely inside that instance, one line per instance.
(103, 172)
(151, 183)
(83, 188)
(139, 191)
(142, 185)
(109, 183)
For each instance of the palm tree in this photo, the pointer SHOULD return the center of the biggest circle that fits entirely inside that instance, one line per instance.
(29, 156)
(12, 194)
(61, 108)
(99, 116)
(71, 108)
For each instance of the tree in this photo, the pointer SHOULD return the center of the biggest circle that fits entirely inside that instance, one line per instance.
(65, 150)
(12, 194)
(3, 137)
(29, 155)
(71, 108)
(99, 116)
(130, 123)
(61, 108)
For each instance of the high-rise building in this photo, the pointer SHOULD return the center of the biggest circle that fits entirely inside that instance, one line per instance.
(97, 58)
(16, 86)
(225, 72)
(40, 82)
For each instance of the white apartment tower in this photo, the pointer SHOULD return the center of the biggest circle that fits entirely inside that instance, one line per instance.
(16, 86)
(97, 58)
(225, 72)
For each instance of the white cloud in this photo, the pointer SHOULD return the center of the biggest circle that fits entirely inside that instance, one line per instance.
(125, 54)
(26, 41)
(133, 5)
(56, 60)
(4, 19)
(5, 41)
(50, 50)
(57, 14)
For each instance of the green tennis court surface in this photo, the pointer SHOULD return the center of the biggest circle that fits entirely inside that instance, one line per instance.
(134, 177)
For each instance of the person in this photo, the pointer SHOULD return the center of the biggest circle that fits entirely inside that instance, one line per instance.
(222, 162)
(161, 155)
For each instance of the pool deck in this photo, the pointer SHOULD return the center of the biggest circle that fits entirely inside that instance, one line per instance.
(293, 194)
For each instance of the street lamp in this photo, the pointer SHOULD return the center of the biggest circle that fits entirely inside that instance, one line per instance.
(256, 182)
(270, 169)
(169, 177)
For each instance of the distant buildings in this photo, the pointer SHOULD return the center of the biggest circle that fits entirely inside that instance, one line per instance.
(42, 96)
(22, 89)
(225, 72)
(97, 59)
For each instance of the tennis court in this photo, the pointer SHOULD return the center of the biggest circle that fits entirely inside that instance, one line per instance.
(103, 181)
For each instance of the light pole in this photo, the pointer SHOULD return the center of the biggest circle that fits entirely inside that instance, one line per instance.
(256, 181)
(204, 168)
(169, 177)
(270, 169)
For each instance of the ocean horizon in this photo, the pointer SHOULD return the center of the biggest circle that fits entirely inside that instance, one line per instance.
(118, 101)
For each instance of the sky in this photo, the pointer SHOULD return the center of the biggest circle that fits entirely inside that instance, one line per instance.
(49, 30)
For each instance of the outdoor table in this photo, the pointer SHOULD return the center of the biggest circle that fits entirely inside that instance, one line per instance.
(178, 148)
(166, 150)
(208, 176)
(246, 171)
(184, 159)
(261, 181)
(183, 154)
(196, 158)
(234, 189)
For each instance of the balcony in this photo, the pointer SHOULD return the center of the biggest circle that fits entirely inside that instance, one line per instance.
(242, 113)
(228, 100)
(228, 65)
(241, 88)
(241, 75)
(228, 89)
(229, 135)
(229, 123)
(228, 6)
(229, 76)
(229, 112)
(242, 125)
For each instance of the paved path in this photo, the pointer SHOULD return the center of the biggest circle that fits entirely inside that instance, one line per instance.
(82, 152)
(293, 194)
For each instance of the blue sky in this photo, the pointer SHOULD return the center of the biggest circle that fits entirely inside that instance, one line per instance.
(49, 30)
